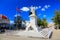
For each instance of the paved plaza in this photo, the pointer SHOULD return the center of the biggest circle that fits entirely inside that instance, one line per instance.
(55, 36)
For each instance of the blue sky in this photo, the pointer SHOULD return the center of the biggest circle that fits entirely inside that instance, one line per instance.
(44, 8)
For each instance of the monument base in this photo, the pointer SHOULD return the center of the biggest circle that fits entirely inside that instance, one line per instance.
(45, 33)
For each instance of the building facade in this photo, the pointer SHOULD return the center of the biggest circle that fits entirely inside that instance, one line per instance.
(4, 21)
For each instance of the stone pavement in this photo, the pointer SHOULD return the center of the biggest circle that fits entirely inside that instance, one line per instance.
(44, 33)
(55, 36)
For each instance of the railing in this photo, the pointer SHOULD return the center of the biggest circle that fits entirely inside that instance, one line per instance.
(46, 33)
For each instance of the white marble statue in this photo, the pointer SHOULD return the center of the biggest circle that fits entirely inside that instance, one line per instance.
(33, 20)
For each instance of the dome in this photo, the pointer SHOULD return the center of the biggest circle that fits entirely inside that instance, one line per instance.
(3, 17)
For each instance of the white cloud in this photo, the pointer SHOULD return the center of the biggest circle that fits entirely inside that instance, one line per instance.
(11, 21)
(25, 9)
(46, 6)
(35, 7)
(44, 16)
(43, 9)
(39, 6)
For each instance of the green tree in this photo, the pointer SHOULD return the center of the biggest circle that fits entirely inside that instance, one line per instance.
(42, 22)
(56, 18)
(39, 22)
